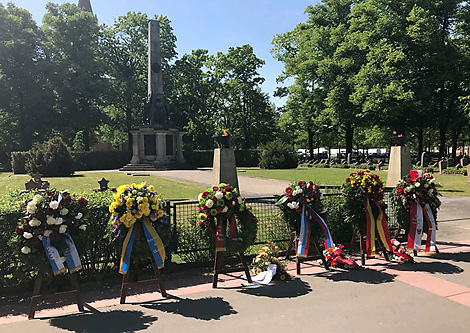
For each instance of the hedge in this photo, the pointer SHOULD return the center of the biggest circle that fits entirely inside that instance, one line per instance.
(204, 158)
(87, 160)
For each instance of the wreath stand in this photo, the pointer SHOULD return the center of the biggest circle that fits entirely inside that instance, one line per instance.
(357, 236)
(298, 260)
(38, 297)
(158, 280)
(219, 267)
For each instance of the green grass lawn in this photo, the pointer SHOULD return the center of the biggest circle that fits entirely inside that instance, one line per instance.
(86, 181)
(451, 184)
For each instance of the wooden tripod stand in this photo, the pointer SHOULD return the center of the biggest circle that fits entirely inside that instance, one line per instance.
(298, 260)
(219, 267)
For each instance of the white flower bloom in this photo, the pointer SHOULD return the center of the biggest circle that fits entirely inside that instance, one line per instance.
(54, 204)
(82, 227)
(219, 195)
(64, 211)
(50, 220)
(31, 207)
(78, 216)
(62, 229)
(225, 209)
(40, 237)
(47, 233)
(209, 203)
(59, 221)
(25, 250)
(199, 197)
(38, 198)
(240, 201)
(417, 184)
(27, 235)
(34, 222)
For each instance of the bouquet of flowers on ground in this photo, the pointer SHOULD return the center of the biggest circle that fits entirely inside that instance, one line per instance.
(139, 203)
(421, 188)
(223, 203)
(399, 252)
(268, 255)
(52, 219)
(336, 258)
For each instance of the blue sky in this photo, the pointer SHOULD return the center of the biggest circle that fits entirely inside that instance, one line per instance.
(214, 25)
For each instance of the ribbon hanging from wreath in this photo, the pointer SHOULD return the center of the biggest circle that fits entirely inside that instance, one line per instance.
(304, 198)
(52, 217)
(364, 194)
(138, 206)
(223, 204)
(417, 194)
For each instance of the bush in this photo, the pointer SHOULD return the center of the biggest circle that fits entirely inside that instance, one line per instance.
(51, 158)
(277, 155)
(340, 166)
(455, 171)
(99, 160)
(18, 161)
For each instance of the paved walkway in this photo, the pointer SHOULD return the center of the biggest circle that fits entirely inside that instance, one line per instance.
(431, 295)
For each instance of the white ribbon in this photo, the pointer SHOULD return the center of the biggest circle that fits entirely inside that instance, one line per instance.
(264, 277)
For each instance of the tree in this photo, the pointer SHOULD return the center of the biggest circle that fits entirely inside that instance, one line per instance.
(76, 71)
(25, 113)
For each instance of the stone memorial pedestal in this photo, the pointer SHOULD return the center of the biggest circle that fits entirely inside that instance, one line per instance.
(399, 164)
(224, 166)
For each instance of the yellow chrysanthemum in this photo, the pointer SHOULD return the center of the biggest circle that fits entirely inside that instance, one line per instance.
(160, 213)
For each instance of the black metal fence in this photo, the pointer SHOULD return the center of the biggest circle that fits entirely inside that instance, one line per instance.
(183, 217)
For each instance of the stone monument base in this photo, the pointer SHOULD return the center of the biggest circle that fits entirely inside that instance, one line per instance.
(224, 167)
(399, 164)
(156, 149)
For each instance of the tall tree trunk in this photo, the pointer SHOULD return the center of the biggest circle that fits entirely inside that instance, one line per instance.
(86, 139)
(420, 138)
(349, 138)
(310, 144)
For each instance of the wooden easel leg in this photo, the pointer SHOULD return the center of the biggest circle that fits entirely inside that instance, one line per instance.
(291, 242)
(36, 297)
(158, 277)
(325, 264)
(78, 296)
(361, 248)
(125, 280)
(218, 263)
(245, 266)
(353, 239)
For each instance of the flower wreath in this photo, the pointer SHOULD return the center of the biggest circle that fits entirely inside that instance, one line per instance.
(358, 188)
(423, 188)
(52, 220)
(139, 203)
(223, 203)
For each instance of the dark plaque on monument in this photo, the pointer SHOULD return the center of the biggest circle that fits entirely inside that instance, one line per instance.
(169, 144)
(150, 145)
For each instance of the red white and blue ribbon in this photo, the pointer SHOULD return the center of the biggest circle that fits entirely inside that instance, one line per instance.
(306, 230)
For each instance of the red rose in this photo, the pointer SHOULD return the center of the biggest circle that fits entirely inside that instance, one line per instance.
(347, 179)
(82, 202)
(291, 197)
(19, 230)
(215, 188)
(205, 194)
(34, 241)
(54, 237)
(301, 183)
(214, 198)
(288, 190)
(201, 223)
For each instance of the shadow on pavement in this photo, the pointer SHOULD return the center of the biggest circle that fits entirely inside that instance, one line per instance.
(204, 308)
(430, 267)
(287, 289)
(111, 321)
(366, 275)
(458, 256)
